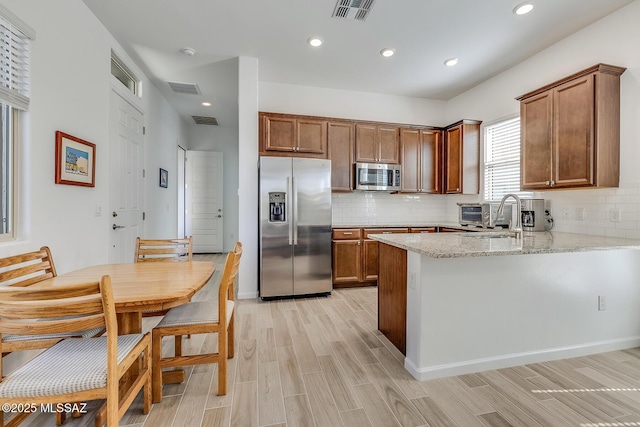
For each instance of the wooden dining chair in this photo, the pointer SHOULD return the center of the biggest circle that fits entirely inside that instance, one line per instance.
(201, 317)
(25, 270)
(74, 369)
(163, 250)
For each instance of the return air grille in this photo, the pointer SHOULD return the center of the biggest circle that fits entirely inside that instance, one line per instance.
(186, 88)
(353, 9)
(202, 120)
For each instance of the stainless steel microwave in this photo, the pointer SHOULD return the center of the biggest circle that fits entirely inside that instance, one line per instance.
(483, 214)
(377, 176)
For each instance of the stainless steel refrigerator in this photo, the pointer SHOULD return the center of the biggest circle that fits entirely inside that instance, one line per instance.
(295, 226)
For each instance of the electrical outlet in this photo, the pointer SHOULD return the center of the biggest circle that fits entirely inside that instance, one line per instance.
(602, 303)
(98, 210)
(581, 214)
(615, 215)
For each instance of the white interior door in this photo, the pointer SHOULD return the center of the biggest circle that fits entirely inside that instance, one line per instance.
(126, 195)
(204, 211)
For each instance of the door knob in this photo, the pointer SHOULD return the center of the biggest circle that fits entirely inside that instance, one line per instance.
(114, 214)
(115, 227)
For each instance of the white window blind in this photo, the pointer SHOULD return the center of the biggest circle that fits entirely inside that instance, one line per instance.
(14, 64)
(502, 160)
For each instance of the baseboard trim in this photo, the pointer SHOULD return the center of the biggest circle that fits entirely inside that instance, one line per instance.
(247, 295)
(517, 359)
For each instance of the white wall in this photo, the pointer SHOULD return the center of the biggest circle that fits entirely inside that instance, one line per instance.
(613, 40)
(165, 131)
(315, 101)
(70, 84)
(248, 178)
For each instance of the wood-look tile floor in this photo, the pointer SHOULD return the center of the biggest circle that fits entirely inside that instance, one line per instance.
(322, 362)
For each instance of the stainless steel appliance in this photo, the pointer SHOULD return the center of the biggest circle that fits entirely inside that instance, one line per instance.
(377, 176)
(295, 226)
(484, 214)
(533, 215)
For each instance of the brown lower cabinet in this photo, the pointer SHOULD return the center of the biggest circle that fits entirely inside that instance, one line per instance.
(355, 256)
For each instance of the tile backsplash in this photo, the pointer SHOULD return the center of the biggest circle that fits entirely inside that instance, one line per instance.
(605, 212)
(380, 208)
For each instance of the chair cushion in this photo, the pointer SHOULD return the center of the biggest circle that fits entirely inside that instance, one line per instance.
(194, 313)
(87, 333)
(72, 365)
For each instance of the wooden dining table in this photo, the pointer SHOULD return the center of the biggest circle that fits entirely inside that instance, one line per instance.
(145, 286)
(140, 287)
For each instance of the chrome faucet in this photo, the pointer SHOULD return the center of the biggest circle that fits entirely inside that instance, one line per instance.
(517, 230)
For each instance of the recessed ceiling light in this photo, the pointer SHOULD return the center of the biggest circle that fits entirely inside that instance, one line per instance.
(523, 8)
(206, 104)
(451, 62)
(315, 41)
(387, 52)
(189, 51)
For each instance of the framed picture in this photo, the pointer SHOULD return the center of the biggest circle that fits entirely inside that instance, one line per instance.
(164, 178)
(75, 161)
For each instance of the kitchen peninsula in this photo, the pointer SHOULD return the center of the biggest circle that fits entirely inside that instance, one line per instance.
(458, 303)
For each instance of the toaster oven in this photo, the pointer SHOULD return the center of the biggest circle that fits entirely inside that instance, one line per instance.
(484, 215)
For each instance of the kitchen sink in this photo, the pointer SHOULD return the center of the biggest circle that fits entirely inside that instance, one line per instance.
(489, 236)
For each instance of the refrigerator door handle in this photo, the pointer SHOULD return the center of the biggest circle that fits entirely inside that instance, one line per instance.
(294, 193)
(290, 209)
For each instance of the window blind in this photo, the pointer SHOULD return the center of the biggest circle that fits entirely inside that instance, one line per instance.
(14, 64)
(502, 160)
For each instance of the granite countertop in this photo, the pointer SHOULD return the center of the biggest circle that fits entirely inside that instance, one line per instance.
(496, 243)
(414, 225)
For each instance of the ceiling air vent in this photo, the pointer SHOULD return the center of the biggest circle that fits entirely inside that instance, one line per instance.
(186, 88)
(353, 9)
(202, 120)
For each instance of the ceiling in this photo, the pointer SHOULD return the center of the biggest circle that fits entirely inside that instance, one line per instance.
(485, 35)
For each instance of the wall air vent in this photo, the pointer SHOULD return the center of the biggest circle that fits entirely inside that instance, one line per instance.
(202, 120)
(353, 9)
(186, 88)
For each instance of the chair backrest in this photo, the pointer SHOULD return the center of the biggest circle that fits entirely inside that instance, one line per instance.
(164, 250)
(59, 309)
(27, 269)
(227, 282)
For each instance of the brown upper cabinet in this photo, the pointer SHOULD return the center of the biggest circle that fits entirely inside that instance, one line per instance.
(461, 170)
(570, 131)
(289, 135)
(421, 160)
(377, 143)
(340, 143)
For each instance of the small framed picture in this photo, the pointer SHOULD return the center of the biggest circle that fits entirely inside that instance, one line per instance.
(164, 178)
(75, 161)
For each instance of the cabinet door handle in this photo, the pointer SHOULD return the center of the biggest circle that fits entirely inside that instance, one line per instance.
(547, 183)
(347, 233)
(358, 242)
(553, 183)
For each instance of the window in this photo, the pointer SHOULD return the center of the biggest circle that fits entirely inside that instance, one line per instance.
(124, 75)
(502, 160)
(15, 37)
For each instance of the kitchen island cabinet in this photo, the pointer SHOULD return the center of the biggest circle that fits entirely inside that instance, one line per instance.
(476, 301)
